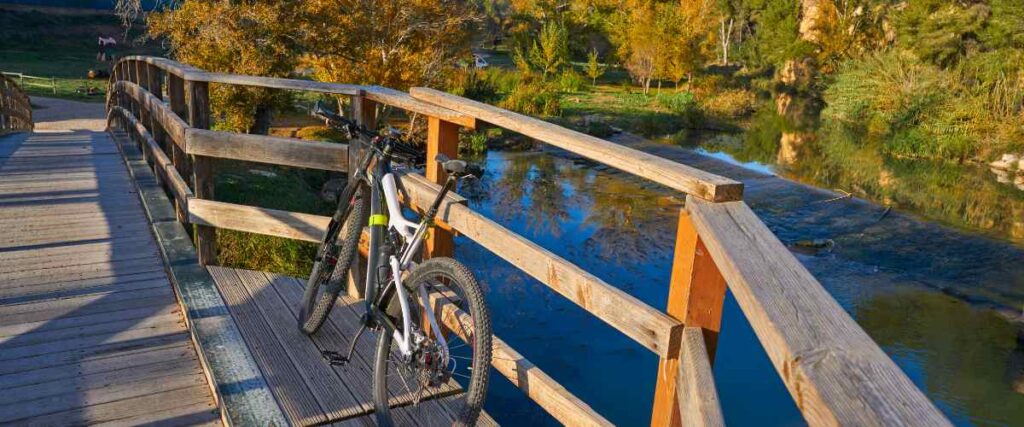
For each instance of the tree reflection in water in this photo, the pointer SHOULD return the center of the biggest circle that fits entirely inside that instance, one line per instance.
(972, 357)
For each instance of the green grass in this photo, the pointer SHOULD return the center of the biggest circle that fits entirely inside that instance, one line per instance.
(295, 190)
(62, 48)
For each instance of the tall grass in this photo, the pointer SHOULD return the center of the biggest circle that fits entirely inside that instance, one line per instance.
(919, 110)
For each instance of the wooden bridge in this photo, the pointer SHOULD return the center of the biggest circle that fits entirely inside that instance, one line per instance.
(112, 309)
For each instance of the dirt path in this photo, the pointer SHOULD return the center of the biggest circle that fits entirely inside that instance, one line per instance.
(51, 114)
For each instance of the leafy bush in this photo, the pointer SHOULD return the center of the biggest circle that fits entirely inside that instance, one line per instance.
(570, 81)
(537, 98)
(472, 84)
(475, 142)
(682, 104)
(730, 103)
(919, 110)
(677, 102)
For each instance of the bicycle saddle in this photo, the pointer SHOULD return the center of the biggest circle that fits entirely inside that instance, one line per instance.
(458, 168)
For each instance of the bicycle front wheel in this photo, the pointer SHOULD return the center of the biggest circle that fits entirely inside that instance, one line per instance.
(400, 380)
(334, 258)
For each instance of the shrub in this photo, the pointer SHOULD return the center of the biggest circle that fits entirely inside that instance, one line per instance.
(536, 98)
(916, 109)
(472, 84)
(475, 142)
(683, 105)
(730, 103)
(570, 81)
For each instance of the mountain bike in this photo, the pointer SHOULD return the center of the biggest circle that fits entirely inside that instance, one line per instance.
(415, 356)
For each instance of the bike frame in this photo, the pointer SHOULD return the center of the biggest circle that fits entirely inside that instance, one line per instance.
(383, 185)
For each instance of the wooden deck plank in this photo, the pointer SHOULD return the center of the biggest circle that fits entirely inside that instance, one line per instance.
(60, 288)
(127, 408)
(88, 319)
(334, 397)
(336, 335)
(90, 327)
(358, 375)
(294, 397)
(85, 383)
(105, 362)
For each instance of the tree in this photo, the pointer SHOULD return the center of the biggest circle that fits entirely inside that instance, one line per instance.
(245, 37)
(393, 43)
(551, 51)
(594, 68)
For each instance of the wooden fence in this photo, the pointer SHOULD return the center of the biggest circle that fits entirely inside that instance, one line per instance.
(26, 80)
(15, 108)
(834, 371)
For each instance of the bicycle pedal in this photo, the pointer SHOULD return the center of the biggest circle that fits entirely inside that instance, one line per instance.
(334, 358)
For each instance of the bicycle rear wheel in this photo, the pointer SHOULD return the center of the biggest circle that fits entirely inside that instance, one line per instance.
(333, 260)
(399, 381)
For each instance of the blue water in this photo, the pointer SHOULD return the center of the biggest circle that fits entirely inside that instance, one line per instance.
(622, 230)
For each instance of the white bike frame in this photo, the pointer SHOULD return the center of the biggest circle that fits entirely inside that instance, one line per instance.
(413, 233)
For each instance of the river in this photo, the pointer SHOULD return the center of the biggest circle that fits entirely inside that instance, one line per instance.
(937, 281)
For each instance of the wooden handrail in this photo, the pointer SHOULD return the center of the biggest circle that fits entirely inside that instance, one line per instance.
(674, 175)
(267, 149)
(834, 371)
(379, 94)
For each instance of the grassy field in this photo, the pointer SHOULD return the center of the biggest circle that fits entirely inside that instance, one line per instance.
(62, 49)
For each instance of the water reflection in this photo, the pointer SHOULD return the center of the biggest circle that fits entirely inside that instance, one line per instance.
(965, 196)
(925, 292)
(972, 359)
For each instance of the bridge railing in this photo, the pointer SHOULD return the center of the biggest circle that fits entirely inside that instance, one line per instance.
(834, 371)
(15, 109)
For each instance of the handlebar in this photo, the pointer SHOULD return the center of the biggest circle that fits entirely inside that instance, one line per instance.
(400, 150)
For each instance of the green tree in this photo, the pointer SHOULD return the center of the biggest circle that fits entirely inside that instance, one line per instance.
(551, 51)
(594, 68)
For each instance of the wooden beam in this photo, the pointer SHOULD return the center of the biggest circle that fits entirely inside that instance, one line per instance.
(698, 396)
(176, 98)
(648, 326)
(442, 138)
(695, 296)
(677, 176)
(161, 162)
(388, 96)
(169, 121)
(251, 219)
(834, 371)
(267, 149)
(537, 385)
(202, 168)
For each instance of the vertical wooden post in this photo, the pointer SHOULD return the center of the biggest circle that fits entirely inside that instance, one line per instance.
(176, 93)
(364, 112)
(695, 296)
(202, 168)
(155, 84)
(442, 138)
(142, 79)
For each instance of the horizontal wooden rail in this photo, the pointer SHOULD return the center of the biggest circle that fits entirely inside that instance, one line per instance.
(698, 398)
(538, 386)
(835, 372)
(170, 175)
(267, 149)
(677, 176)
(251, 219)
(383, 95)
(173, 125)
